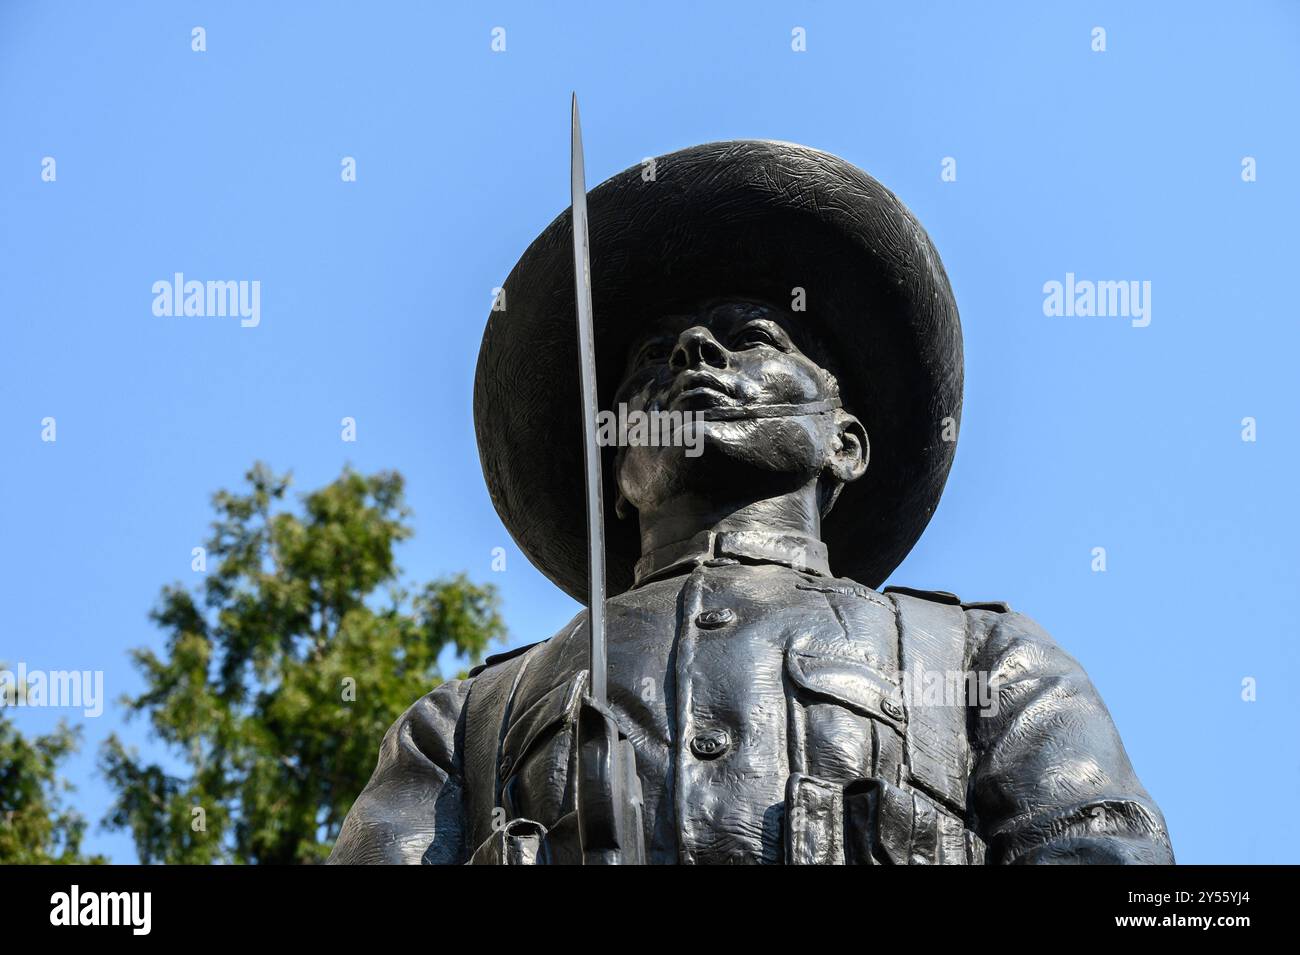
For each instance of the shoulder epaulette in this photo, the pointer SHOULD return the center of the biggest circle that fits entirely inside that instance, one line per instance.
(938, 596)
(493, 659)
(997, 606)
(944, 597)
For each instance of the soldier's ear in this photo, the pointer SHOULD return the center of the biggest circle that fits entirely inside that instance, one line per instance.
(849, 451)
(623, 508)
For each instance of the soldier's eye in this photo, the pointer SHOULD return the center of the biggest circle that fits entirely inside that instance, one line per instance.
(754, 336)
(654, 352)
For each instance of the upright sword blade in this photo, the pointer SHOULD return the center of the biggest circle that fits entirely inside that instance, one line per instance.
(591, 450)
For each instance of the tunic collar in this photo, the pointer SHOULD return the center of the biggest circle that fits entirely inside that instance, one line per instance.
(751, 547)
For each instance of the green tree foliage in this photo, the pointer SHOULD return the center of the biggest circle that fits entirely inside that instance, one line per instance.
(280, 678)
(35, 828)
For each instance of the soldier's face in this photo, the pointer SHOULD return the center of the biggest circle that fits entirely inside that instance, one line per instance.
(735, 372)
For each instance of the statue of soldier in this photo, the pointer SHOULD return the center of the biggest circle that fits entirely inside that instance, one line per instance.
(761, 709)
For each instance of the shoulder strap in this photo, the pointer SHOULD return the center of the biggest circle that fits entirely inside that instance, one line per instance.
(486, 714)
(493, 659)
(932, 646)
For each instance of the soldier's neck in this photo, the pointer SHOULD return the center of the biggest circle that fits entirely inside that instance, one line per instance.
(689, 514)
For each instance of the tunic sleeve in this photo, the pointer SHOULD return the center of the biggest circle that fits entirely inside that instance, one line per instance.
(1050, 780)
(411, 810)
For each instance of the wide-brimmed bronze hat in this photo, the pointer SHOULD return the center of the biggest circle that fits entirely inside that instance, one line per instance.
(746, 219)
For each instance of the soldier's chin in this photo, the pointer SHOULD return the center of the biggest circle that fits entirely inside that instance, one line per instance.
(769, 444)
(730, 454)
(733, 459)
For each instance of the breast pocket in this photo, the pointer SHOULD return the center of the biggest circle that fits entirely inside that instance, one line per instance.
(849, 720)
(535, 771)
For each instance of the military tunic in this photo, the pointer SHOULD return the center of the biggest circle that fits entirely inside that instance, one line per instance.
(759, 692)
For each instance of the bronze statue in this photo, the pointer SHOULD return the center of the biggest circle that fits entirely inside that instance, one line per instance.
(759, 708)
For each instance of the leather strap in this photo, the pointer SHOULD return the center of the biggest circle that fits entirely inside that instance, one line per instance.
(770, 411)
(488, 706)
(932, 645)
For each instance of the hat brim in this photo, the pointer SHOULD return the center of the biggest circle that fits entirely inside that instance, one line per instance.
(750, 219)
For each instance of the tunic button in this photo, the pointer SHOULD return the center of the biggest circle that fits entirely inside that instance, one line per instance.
(710, 744)
(893, 709)
(712, 619)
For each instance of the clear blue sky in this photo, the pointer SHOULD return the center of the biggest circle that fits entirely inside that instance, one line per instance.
(1078, 433)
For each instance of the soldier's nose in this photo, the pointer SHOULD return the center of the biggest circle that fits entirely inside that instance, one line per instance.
(697, 347)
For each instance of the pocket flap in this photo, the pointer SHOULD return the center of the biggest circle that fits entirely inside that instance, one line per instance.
(556, 707)
(847, 680)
